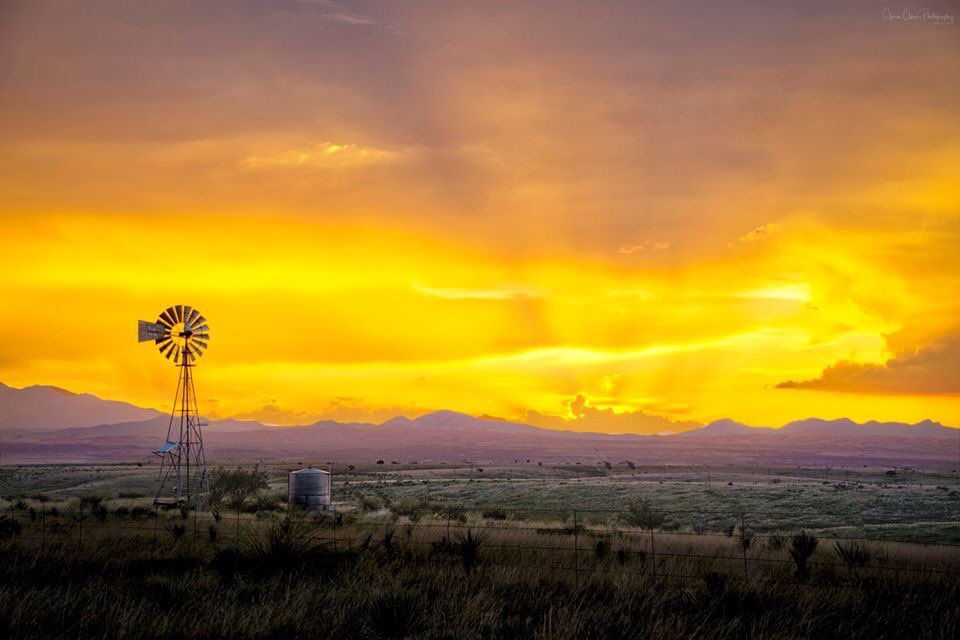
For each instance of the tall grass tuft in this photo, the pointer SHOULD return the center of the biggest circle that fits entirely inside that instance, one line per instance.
(395, 613)
(854, 553)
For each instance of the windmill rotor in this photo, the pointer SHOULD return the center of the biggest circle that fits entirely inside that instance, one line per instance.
(180, 332)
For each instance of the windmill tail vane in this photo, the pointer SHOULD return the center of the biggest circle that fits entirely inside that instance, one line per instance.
(181, 334)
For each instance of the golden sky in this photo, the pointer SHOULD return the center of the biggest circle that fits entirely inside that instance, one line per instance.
(613, 216)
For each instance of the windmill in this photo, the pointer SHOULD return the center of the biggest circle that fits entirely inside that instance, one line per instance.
(181, 334)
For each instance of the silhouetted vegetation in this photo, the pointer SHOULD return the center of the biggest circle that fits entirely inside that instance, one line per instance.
(642, 513)
(801, 548)
(233, 487)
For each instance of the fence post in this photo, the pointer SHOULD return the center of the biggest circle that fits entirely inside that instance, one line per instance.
(576, 547)
(743, 544)
(80, 526)
(653, 554)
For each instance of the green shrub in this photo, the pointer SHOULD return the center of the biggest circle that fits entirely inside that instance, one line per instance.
(642, 514)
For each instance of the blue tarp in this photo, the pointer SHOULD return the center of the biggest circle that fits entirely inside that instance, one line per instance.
(166, 447)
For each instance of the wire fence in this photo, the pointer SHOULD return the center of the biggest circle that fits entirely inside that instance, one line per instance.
(567, 542)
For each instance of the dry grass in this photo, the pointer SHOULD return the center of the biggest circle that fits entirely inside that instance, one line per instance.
(372, 577)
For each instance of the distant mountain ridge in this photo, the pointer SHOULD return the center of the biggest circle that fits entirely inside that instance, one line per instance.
(37, 430)
(46, 407)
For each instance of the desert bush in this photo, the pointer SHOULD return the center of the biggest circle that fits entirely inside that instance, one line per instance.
(801, 548)
(177, 531)
(600, 549)
(226, 562)
(95, 506)
(495, 514)
(622, 556)
(9, 528)
(282, 546)
(411, 509)
(454, 513)
(212, 534)
(775, 541)
(853, 554)
(366, 502)
(140, 512)
(387, 543)
(643, 514)
(265, 502)
(716, 584)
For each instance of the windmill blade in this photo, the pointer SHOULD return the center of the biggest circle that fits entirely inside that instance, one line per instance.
(179, 310)
(162, 342)
(167, 349)
(194, 314)
(176, 353)
(200, 343)
(198, 328)
(199, 320)
(187, 312)
(170, 315)
(202, 336)
(149, 330)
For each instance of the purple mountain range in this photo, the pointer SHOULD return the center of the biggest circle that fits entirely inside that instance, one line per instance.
(43, 424)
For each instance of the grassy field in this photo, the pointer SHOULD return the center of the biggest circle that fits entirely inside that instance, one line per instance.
(861, 502)
(511, 551)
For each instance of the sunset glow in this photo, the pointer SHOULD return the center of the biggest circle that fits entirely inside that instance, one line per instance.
(505, 213)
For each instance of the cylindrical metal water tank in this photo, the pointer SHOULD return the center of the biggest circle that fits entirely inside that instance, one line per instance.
(309, 489)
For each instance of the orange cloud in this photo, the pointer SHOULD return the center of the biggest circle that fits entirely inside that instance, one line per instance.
(931, 369)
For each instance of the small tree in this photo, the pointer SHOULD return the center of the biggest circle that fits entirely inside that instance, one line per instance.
(234, 487)
(641, 513)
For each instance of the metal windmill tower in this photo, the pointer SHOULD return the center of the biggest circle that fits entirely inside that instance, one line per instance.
(181, 334)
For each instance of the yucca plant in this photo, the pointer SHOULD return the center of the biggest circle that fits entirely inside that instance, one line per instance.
(801, 548)
(470, 549)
